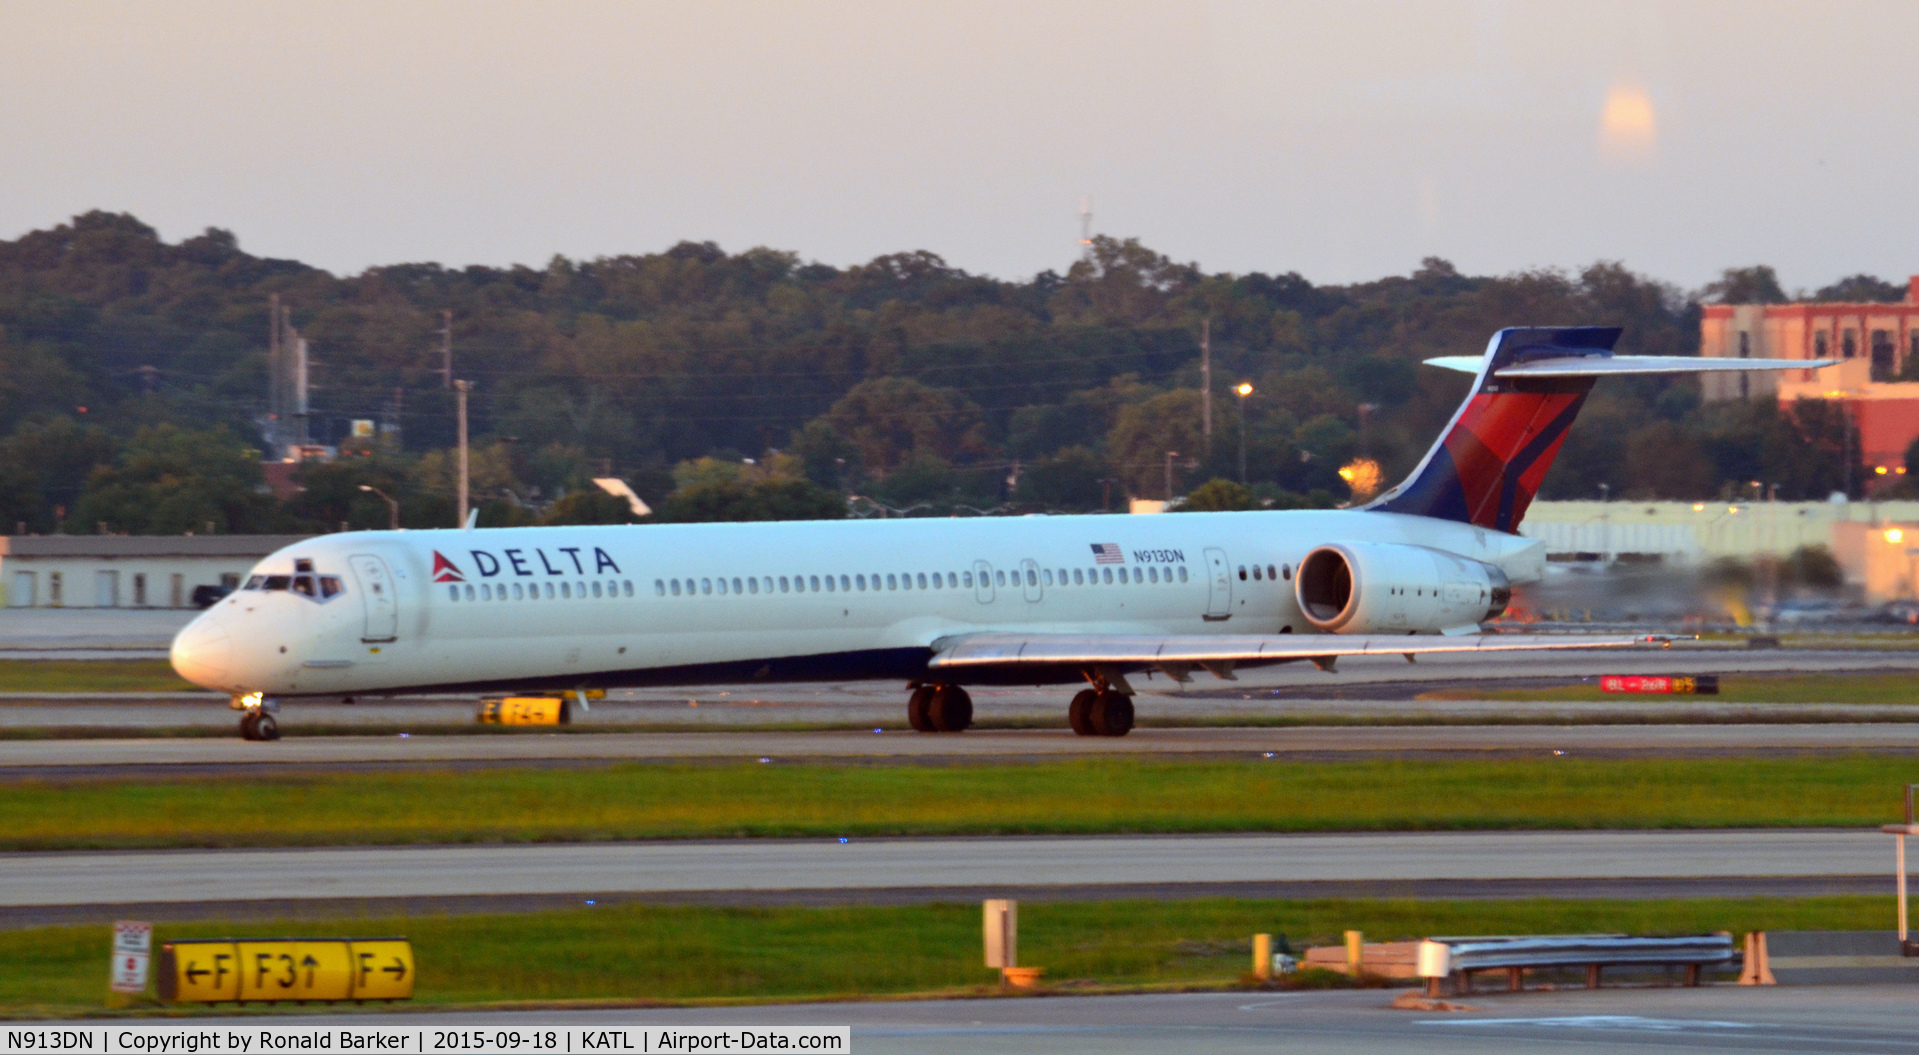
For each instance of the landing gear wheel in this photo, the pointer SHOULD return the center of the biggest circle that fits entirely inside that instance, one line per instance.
(1080, 714)
(951, 709)
(918, 709)
(1112, 714)
(250, 725)
(266, 728)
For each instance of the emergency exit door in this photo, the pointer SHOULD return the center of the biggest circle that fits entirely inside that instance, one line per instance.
(1219, 576)
(377, 595)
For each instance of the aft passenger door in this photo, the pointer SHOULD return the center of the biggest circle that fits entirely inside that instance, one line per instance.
(1219, 576)
(381, 602)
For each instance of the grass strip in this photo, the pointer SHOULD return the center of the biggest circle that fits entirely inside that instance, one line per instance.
(650, 954)
(1792, 688)
(91, 675)
(1079, 796)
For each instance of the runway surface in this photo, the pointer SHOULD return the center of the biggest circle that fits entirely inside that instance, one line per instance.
(1720, 1018)
(829, 864)
(51, 757)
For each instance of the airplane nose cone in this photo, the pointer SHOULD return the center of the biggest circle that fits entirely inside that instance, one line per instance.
(202, 654)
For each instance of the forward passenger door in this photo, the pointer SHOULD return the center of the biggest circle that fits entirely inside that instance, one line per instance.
(378, 596)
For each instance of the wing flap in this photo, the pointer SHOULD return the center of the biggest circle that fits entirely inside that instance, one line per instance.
(1010, 649)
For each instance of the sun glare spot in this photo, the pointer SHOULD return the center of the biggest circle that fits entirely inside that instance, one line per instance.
(1362, 475)
(1628, 128)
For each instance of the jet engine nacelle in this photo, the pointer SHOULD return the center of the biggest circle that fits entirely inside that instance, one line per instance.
(1385, 587)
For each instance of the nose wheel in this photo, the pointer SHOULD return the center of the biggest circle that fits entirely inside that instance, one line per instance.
(940, 709)
(259, 725)
(1101, 712)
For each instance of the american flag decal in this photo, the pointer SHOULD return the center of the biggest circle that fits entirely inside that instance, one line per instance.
(1107, 553)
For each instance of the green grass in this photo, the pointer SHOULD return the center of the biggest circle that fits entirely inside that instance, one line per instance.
(689, 800)
(1791, 688)
(638, 954)
(103, 675)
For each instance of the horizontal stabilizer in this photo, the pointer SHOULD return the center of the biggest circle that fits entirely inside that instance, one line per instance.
(1012, 649)
(1612, 365)
(1608, 366)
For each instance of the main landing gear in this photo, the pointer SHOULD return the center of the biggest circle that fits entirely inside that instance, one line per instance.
(1101, 712)
(940, 709)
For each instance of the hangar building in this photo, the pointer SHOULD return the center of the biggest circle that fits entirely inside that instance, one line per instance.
(125, 571)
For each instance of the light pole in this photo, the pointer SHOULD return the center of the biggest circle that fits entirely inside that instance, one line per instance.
(460, 389)
(1243, 389)
(392, 507)
(1170, 455)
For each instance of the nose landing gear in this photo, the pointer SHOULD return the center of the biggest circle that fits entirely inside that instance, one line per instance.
(940, 709)
(258, 725)
(256, 718)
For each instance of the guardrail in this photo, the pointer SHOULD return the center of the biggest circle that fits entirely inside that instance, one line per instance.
(1460, 958)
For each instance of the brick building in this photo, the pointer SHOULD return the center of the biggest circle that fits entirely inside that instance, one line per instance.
(1877, 378)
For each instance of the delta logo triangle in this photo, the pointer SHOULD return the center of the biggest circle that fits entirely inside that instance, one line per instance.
(445, 570)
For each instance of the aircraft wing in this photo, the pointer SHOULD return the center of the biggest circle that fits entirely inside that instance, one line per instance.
(994, 649)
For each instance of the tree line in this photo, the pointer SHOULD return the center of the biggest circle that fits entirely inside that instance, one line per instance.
(755, 385)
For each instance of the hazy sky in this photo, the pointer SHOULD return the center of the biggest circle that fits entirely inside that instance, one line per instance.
(1344, 140)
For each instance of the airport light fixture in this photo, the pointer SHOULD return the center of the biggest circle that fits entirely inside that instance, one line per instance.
(392, 507)
(1243, 389)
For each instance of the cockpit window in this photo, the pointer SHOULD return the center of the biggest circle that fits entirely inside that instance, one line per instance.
(320, 588)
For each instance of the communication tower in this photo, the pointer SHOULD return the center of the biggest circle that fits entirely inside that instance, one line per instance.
(1086, 227)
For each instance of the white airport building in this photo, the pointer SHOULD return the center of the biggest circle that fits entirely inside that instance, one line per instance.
(125, 571)
(1694, 532)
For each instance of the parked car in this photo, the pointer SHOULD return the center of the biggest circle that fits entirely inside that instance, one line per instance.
(1906, 612)
(208, 596)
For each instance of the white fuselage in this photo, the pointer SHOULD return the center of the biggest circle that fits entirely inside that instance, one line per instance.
(563, 607)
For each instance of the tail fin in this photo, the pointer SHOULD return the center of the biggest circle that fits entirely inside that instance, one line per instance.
(1528, 388)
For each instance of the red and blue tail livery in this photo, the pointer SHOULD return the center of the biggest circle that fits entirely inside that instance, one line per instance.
(1527, 389)
(1494, 454)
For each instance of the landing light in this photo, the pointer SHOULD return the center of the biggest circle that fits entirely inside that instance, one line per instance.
(1895, 536)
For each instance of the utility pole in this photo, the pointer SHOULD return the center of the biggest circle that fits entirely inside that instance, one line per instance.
(273, 367)
(1170, 455)
(299, 349)
(446, 349)
(460, 389)
(1206, 382)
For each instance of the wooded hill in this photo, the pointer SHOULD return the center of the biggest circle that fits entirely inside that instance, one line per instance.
(133, 377)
